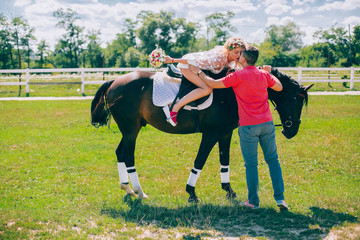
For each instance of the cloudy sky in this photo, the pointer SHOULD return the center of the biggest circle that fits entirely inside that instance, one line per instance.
(251, 16)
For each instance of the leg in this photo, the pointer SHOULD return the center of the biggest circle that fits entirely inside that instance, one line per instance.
(224, 151)
(249, 140)
(208, 141)
(123, 174)
(202, 91)
(126, 158)
(268, 145)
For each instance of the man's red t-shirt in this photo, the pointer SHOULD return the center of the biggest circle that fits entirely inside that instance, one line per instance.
(250, 87)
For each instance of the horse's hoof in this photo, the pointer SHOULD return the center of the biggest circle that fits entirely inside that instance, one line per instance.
(128, 189)
(231, 195)
(194, 199)
(142, 195)
(191, 191)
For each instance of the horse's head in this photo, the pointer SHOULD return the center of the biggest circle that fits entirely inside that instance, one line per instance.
(289, 102)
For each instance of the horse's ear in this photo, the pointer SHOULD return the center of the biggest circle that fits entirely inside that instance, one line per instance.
(306, 88)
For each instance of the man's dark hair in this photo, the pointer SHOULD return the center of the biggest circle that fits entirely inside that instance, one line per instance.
(251, 55)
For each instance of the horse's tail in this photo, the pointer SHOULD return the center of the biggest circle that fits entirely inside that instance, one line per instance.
(100, 113)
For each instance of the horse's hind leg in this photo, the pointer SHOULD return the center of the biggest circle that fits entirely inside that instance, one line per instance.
(224, 151)
(207, 143)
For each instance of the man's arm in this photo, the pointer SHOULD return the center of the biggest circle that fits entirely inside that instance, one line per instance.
(208, 80)
(278, 86)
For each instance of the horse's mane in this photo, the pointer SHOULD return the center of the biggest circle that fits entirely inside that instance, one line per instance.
(287, 81)
(290, 87)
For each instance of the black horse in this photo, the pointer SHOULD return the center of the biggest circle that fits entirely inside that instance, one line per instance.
(129, 100)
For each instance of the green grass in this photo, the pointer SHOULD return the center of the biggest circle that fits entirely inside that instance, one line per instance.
(59, 179)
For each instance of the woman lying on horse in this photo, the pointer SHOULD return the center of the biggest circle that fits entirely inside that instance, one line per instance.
(215, 60)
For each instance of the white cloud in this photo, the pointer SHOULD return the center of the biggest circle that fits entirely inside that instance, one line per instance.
(302, 2)
(21, 3)
(278, 21)
(257, 36)
(346, 5)
(271, 2)
(298, 11)
(242, 21)
(309, 32)
(353, 20)
(277, 9)
(235, 6)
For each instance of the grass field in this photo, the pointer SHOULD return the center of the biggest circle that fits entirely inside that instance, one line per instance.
(59, 179)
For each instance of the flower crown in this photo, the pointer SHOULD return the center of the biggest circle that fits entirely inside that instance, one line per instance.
(235, 44)
(157, 57)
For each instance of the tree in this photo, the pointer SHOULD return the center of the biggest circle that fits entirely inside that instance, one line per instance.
(130, 31)
(26, 40)
(42, 52)
(6, 47)
(185, 35)
(219, 23)
(273, 55)
(94, 52)
(267, 53)
(132, 57)
(316, 55)
(338, 39)
(166, 31)
(70, 46)
(155, 29)
(115, 51)
(288, 37)
(21, 34)
(356, 44)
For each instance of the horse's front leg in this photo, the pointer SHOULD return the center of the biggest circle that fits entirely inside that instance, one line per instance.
(207, 143)
(123, 174)
(224, 151)
(126, 167)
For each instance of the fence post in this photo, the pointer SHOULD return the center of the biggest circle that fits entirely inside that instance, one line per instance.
(82, 82)
(300, 75)
(352, 77)
(27, 82)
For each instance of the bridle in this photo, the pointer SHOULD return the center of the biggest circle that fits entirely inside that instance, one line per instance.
(288, 122)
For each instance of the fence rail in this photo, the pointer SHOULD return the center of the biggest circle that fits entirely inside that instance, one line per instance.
(87, 76)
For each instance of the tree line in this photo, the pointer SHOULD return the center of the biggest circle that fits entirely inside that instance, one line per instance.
(80, 47)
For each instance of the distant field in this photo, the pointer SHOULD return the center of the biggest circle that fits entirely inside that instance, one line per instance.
(59, 179)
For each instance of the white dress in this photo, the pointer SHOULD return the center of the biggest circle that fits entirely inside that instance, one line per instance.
(214, 60)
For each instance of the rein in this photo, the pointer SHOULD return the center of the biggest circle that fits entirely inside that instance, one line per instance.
(289, 122)
(275, 108)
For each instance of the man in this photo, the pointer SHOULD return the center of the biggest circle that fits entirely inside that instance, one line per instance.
(255, 122)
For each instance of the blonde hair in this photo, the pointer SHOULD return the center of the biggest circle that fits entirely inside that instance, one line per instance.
(228, 45)
(234, 42)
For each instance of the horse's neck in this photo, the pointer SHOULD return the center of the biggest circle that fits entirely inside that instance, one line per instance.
(290, 87)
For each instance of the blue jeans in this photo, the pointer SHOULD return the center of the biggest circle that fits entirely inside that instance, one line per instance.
(250, 137)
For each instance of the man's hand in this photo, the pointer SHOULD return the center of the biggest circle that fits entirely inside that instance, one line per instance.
(267, 68)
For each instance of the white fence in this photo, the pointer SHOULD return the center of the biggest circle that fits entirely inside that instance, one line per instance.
(87, 76)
